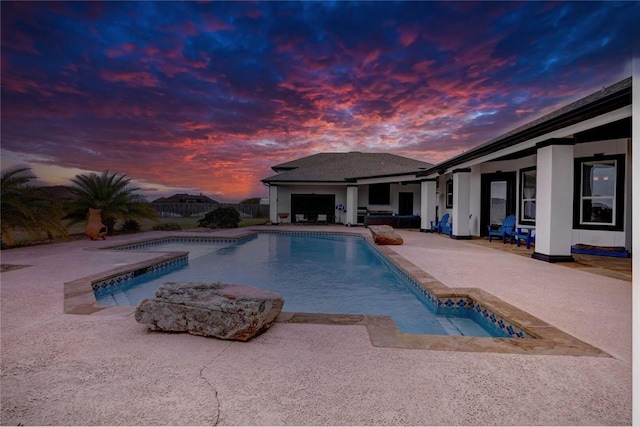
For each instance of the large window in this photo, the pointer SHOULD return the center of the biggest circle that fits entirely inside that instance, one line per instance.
(379, 194)
(599, 191)
(449, 194)
(528, 196)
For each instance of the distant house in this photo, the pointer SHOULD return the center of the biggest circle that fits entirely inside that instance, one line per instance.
(185, 198)
(185, 205)
(567, 175)
(344, 186)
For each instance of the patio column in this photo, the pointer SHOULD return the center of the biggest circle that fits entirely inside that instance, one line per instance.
(351, 215)
(461, 204)
(428, 202)
(273, 204)
(554, 200)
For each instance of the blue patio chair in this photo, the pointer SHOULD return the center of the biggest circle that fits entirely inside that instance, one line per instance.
(523, 235)
(438, 226)
(505, 229)
(447, 229)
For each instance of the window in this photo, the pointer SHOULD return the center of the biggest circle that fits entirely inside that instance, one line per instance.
(528, 196)
(449, 194)
(379, 194)
(599, 192)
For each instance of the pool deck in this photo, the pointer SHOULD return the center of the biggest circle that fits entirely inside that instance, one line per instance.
(106, 369)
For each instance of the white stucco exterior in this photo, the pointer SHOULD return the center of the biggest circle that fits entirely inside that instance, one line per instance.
(551, 152)
(352, 196)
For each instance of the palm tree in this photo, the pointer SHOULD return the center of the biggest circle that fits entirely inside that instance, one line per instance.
(27, 208)
(112, 194)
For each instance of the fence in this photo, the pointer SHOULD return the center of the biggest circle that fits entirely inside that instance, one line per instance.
(188, 210)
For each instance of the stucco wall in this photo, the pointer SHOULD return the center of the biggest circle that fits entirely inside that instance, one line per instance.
(340, 192)
(363, 197)
(607, 238)
(591, 237)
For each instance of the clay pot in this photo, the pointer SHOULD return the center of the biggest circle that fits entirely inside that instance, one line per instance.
(95, 228)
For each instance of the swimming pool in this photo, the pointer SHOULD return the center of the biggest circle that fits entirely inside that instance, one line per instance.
(315, 273)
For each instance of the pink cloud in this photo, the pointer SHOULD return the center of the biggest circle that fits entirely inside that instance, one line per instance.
(122, 50)
(407, 36)
(21, 42)
(131, 78)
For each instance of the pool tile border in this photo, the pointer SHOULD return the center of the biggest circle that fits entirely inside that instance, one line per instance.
(529, 334)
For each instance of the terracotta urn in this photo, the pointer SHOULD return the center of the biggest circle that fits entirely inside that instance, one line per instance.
(95, 228)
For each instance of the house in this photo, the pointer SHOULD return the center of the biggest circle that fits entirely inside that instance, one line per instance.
(184, 205)
(568, 174)
(185, 198)
(345, 186)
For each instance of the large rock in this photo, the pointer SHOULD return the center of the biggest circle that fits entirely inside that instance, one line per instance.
(385, 235)
(230, 312)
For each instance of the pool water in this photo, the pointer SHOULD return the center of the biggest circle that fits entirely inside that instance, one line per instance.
(314, 273)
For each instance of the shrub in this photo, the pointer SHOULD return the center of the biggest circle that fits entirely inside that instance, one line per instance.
(130, 226)
(167, 226)
(222, 217)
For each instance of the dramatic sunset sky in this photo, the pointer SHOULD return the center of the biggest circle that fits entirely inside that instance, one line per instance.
(206, 97)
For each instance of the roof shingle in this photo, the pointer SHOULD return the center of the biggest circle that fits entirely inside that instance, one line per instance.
(341, 167)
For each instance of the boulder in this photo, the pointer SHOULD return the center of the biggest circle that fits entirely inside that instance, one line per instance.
(229, 312)
(385, 235)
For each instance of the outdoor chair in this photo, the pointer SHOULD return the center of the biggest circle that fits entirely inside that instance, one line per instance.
(447, 228)
(441, 226)
(322, 219)
(300, 218)
(505, 229)
(523, 235)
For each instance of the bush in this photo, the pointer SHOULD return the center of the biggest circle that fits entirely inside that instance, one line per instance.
(130, 226)
(167, 226)
(223, 217)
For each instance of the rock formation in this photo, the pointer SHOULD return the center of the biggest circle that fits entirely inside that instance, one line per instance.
(385, 235)
(230, 312)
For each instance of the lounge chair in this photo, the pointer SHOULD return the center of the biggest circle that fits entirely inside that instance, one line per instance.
(505, 229)
(322, 219)
(441, 226)
(300, 218)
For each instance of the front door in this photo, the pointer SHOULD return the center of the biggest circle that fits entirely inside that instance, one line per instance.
(498, 198)
(405, 204)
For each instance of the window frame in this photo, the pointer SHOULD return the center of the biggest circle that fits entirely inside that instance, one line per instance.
(618, 197)
(521, 219)
(448, 203)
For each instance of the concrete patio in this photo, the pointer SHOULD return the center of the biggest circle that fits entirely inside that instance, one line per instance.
(105, 369)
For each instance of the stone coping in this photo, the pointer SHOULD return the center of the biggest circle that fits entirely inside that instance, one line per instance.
(542, 338)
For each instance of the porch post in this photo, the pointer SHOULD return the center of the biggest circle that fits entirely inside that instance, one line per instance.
(351, 215)
(461, 203)
(428, 202)
(273, 204)
(554, 200)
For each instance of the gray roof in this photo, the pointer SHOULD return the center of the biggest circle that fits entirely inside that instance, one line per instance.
(345, 167)
(185, 198)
